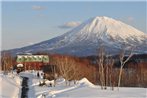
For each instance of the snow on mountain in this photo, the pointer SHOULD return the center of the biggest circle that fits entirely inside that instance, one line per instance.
(104, 27)
(86, 39)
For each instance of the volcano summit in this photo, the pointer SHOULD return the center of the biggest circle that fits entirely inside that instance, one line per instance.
(85, 39)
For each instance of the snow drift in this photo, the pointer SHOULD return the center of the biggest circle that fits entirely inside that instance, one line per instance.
(85, 82)
(10, 86)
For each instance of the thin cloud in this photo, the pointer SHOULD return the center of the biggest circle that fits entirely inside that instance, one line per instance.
(70, 25)
(38, 8)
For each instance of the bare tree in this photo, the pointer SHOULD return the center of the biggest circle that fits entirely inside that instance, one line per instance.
(100, 62)
(123, 62)
(67, 68)
(109, 72)
(6, 61)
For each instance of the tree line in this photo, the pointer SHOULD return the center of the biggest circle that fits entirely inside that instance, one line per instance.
(104, 72)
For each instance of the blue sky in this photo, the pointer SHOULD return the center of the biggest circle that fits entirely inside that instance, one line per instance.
(26, 23)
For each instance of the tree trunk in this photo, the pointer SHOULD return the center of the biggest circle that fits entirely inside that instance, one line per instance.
(120, 75)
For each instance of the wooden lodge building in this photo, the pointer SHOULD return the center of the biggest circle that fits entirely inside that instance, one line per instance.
(31, 62)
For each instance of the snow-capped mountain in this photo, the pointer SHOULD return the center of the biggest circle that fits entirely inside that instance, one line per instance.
(85, 39)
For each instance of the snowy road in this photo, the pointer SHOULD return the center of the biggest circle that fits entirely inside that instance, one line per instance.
(30, 76)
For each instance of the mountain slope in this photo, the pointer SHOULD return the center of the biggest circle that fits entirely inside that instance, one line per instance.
(85, 39)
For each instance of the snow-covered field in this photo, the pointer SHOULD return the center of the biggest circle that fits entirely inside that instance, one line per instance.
(10, 85)
(10, 88)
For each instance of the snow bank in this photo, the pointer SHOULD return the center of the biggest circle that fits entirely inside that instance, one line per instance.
(85, 82)
(10, 86)
(60, 81)
(50, 83)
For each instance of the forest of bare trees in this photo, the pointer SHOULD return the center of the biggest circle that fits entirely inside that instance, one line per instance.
(7, 61)
(71, 68)
(108, 70)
